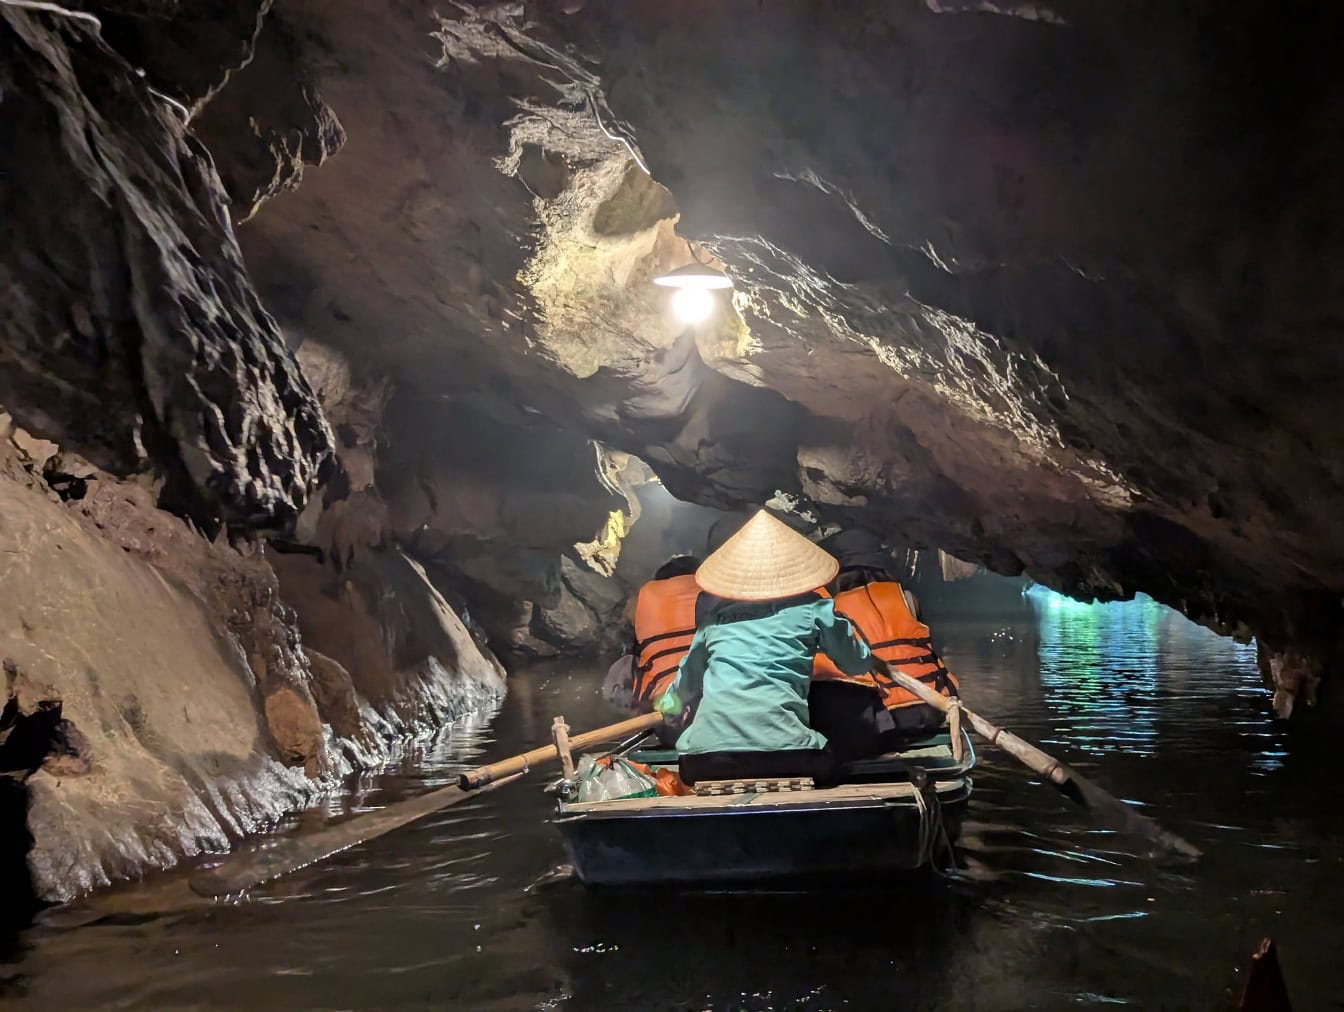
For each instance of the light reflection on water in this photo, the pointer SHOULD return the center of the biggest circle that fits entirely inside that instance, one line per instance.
(1110, 669)
(465, 909)
(1101, 664)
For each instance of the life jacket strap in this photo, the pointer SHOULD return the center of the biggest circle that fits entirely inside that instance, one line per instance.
(929, 658)
(922, 641)
(642, 645)
(647, 689)
(647, 665)
(939, 678)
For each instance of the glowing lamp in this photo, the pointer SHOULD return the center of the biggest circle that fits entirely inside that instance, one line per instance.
(693, 286)
(692, 305)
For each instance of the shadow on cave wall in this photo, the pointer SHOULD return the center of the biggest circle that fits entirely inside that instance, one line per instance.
(27, 741)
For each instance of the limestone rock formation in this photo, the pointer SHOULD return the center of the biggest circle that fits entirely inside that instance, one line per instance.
(384, 629)
(498, 509)
(142, 667)
(1042, 287)
(1050, 297)
(159, 700)
(269, 123)
(1002, 289)
(132, 334)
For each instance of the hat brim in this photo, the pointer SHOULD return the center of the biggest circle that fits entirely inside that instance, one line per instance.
(765, 561)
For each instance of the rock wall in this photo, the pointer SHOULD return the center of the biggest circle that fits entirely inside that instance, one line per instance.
(388, 644)
(525, 520)
(132, 333)
(1060, 307)
(159, 698)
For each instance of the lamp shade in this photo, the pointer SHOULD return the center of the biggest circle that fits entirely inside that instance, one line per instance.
(694, 275)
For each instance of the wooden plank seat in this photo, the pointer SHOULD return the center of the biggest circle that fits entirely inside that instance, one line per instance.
(718, 788)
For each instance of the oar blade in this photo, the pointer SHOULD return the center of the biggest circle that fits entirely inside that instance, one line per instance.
(1115, 814)
(1104, 806)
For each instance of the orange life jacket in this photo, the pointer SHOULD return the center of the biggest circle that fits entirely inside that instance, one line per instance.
(664, 626)
(881, 616)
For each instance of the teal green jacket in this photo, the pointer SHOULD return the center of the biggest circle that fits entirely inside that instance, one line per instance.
(751, 663)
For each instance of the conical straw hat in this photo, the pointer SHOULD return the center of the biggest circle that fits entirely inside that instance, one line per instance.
(763, 561)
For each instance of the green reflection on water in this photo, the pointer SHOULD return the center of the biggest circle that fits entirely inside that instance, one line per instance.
(1103, 667)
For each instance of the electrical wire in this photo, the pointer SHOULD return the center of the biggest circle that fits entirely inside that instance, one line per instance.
(576, 76)
(592, 103)
(186, 113)
(50, 8)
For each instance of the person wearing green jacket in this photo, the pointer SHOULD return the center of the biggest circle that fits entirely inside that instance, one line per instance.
(742, 688)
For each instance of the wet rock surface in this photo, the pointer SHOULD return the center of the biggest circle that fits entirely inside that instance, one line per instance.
(159, 700)
(132, 332)
(405, 652)
(180, 759)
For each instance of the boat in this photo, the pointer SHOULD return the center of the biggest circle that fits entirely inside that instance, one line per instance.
(894, 812)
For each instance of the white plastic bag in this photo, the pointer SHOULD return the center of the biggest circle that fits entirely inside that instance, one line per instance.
(590, 782)
(611, 780)
(622, 780)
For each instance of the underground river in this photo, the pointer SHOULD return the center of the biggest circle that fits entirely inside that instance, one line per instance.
(471, 907)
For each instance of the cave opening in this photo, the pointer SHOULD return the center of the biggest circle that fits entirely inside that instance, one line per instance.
(665, 527)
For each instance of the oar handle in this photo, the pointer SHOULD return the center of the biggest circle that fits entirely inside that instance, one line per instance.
(1023, 751)
(483, 775)
(1026, 753)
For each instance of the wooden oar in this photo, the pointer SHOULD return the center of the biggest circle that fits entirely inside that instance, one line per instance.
(273, 858)
(482, 775)
(1064, 778)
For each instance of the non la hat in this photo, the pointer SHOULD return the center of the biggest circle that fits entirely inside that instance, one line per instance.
(764, 561)
(725, 527)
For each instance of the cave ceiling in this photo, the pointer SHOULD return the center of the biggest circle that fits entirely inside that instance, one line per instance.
(1050, 286)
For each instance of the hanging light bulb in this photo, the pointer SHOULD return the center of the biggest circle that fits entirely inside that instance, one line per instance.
(693, 286)
(692, 305)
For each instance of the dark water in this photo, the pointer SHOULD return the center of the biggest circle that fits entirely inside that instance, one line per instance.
(464, 910)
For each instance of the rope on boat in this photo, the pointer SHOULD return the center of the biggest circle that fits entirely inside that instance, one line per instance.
(925, 827)
(933, 837)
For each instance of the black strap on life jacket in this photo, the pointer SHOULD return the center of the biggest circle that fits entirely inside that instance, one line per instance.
(645, 694)
(661, 654)
(642, 644)
(929, 658)
(938, 679)
(922, 641)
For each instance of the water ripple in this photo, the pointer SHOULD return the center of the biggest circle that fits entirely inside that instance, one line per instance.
(466, 908)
